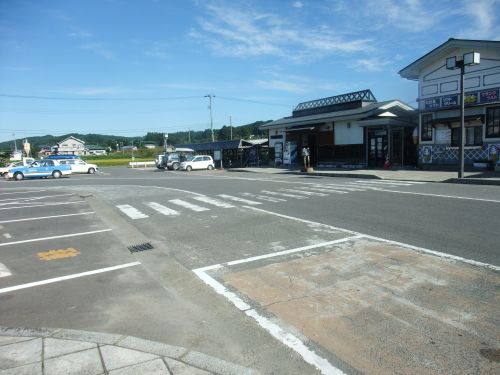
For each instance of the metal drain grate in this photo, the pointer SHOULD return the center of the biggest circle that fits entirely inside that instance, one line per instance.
(142, 247)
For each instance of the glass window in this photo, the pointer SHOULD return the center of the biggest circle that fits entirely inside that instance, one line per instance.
(493, 122)
(473, 136)
(426, 129)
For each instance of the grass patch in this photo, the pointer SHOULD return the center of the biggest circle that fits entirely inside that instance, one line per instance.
(113, 162)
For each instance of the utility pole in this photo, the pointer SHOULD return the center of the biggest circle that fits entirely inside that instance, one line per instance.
(231, 127)
(209, 96)
(15, 144)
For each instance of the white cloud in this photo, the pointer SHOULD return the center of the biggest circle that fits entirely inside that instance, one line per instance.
(243, 32)
(298, 4)
(370, 65)
(157, 49)
(297, 84)
(92, 91)
(80, 34)
(484, 17)
(99, 49)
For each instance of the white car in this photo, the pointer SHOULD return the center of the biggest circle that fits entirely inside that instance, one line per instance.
(198, 162)
(25, 162)
(80, 166)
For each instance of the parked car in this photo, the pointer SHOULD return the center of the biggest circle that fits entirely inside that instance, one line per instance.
(172, 159)
(42, 168)
(198, 162)
(20, 163)
(5, 170)
(79, 166)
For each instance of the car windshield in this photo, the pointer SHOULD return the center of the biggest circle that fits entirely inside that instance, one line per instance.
(189, 157)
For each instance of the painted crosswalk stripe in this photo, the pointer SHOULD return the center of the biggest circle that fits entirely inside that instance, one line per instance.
(409, 182)
(334, 189)
(131, 212)
(354, 187)
(264, 197)
(212, 201)
(386, 182)
(162, 209)
(237, 199)
(283, 194)
(305, 192)
(4, 271)
(362, 186)
(189, 206)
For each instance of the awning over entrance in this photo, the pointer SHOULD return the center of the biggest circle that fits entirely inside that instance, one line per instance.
(384, 122)
(449, 120)
(301, 128)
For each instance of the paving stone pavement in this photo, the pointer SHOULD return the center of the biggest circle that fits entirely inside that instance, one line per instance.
(51, 351)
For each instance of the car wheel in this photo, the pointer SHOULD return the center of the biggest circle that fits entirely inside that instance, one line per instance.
(18, 176)
(176, 166)
(91, 170)
(56, 174)
(210, 167)
(189, 168)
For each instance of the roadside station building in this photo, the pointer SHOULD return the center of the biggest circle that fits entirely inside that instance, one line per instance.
(350, 130)
(439, 103)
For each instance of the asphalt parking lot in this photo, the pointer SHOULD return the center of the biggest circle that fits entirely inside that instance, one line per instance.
(313, 294)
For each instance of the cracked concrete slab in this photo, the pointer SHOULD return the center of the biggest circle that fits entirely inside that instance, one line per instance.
(382, 308)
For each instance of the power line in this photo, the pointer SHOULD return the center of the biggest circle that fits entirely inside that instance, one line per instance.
(254, 101)
(96, 99)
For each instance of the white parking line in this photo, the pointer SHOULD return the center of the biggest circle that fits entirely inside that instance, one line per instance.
(162, 209)
(131, 212)
(42, 205)
(284, 335)
(416, 248)
(45, 217)
(55, 237)
(68, 277)
(4, 271)
(190, 206)
(291, 251)
(27, 199)
(442, 196)
(22, 192)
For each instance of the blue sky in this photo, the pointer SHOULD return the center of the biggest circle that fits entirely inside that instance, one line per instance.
(126, 67)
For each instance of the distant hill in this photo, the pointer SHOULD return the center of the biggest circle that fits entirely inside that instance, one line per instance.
(244, 132)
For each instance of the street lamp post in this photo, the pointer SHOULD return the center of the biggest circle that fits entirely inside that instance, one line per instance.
(468, 59)
(209, 96)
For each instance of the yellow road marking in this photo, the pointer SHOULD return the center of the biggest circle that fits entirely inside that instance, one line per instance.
(58, 254)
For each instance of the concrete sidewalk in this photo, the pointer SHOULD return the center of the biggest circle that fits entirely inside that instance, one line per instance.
(450, 176)
(51, 351)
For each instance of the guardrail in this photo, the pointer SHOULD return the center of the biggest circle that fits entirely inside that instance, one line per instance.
(143, 164)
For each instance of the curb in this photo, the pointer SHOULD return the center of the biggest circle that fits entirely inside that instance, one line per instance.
(190, 358)
(471, 181)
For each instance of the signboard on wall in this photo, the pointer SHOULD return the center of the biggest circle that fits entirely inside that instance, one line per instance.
(443, 135)
(427, 154)
(290, 153)
(471, 98)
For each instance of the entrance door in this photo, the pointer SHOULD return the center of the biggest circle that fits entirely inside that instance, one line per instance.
(377, 143)
(397, 147)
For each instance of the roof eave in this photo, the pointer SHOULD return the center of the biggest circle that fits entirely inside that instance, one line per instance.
(412, 70)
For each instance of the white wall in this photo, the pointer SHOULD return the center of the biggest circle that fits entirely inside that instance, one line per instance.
(436, 81)
(348, 135)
